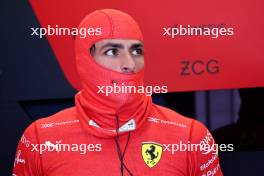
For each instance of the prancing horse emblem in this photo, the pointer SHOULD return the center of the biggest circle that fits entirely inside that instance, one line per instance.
(151, 153)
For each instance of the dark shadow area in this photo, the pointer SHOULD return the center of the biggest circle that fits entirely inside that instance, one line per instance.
(247, 134)
(44, 108)
(181, 102)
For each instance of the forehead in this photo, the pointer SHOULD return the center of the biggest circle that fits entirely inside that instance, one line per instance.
(124, 42)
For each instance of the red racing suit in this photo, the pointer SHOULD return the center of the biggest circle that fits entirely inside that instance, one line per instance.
(99, 157)
(116, 134)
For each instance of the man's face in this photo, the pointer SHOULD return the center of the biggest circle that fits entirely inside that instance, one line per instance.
(124, 56)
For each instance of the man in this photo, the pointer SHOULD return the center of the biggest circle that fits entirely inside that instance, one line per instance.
(116, 133)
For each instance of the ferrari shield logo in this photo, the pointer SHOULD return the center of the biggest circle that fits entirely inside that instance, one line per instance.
(151, 153)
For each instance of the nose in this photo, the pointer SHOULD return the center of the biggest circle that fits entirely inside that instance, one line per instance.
(128, 64)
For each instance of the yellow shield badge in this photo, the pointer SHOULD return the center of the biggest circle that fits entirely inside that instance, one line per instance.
(151, 153)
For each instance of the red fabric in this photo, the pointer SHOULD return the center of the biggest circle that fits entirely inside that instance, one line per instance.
(65, 127)
(153, 123)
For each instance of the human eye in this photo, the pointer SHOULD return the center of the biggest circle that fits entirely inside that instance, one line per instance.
(111, 52)
(137, 52)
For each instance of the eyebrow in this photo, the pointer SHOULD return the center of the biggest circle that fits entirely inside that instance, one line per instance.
(117, 45)
(136, 45)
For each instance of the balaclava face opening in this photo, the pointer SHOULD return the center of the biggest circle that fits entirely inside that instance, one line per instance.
(97, 111)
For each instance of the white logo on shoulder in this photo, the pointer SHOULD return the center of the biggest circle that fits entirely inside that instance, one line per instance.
(52, 124)
(160, 121)
(205, 144)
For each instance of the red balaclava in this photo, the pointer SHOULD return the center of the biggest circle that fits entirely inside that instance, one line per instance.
(99, 114)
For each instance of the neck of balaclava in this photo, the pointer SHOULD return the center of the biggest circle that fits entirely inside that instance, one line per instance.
(98, 112)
